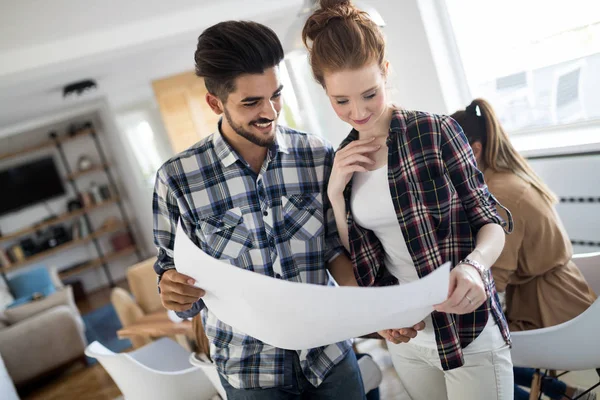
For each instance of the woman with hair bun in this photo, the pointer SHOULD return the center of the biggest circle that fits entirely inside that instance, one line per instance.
(408, 197)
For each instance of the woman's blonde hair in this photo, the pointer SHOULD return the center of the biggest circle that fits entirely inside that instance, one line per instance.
(480, 124)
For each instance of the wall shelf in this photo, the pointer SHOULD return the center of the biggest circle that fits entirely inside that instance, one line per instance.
(46, 145)
(94, 169)
(61, 218)
(67, 245)
(69, 272)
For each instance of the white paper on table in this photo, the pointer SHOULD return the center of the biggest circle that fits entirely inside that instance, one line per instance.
(298, 316)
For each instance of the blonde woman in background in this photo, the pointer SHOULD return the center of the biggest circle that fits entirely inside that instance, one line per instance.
(541, 284)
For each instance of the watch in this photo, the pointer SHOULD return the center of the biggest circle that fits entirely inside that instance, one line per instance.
(483, 272)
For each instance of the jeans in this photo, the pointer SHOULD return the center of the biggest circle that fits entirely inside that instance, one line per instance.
(342, 382)
(551, 387)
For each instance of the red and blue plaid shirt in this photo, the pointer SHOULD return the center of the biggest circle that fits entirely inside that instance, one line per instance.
(441, 202)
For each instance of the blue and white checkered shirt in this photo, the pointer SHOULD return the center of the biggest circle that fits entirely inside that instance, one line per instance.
(274, 223)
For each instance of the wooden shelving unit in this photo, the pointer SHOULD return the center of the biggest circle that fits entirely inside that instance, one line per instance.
(55, 250)
(92, 170)
(67, 273)
(103, 258)
(46, 144)
(61, 218)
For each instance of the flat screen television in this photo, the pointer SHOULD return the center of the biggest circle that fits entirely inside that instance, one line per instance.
(30, 183)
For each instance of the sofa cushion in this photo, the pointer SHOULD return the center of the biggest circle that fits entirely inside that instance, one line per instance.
(25, 284)
(61, 297)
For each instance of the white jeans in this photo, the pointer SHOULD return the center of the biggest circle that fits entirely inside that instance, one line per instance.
(486, 375)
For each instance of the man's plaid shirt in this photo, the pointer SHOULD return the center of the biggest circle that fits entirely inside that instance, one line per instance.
(273, 223)
(441, 202)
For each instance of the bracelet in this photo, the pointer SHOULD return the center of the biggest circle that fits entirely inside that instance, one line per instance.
(483, 272)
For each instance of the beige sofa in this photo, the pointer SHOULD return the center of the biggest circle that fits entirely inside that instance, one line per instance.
(40, 336)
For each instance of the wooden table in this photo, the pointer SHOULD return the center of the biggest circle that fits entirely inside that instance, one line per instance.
(157, 325)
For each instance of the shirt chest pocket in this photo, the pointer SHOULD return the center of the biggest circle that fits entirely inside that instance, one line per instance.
(302, 216)
(225, 235)
(435, 196)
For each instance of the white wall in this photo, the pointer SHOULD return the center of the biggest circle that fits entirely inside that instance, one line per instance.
(575, 177)
(414, 79)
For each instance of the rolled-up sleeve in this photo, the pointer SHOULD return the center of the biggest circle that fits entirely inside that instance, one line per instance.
(478, 202)
(166, 217)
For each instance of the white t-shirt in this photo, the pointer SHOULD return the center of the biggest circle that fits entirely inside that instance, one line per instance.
(372, 208)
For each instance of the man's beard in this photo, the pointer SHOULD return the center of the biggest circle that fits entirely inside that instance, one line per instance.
(251, 137)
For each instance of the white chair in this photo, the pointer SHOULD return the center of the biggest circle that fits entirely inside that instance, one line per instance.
(370, 372)
(570, 346)
(589, 265)
(159, 370)
(210, 370)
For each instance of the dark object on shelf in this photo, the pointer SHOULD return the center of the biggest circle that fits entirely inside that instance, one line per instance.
(74, 204)
(29, 247)
(121, 241)
(52, 237)
(79, 88)
(18, 182)
(104, 192)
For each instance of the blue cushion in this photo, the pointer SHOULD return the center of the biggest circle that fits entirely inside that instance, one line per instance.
(35, 280)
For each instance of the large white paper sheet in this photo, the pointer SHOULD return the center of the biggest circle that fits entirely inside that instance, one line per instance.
(298, 316)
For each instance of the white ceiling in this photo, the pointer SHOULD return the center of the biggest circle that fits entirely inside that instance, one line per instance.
(122, 44)
(31, 22)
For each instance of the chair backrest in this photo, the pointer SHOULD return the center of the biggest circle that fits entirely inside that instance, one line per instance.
(142, 283)
(589, 265)
(570, 346)
(155, 371)
(210, 370)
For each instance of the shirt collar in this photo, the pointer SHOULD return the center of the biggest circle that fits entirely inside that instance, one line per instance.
(397, 125)
(229, 156)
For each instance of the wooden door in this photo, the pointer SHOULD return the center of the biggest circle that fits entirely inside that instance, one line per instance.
(186, 115)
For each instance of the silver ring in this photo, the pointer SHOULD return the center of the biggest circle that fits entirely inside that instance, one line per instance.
(470, 301)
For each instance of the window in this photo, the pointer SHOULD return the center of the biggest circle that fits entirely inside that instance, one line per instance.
(143, 142)
(536, 61)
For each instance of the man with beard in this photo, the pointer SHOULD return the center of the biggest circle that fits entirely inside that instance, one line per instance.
(253, 194)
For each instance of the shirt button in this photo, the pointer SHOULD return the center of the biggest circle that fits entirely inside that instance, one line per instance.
(265, 213)
(272, 242)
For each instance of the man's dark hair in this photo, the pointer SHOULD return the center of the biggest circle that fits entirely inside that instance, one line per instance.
(233, 48)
